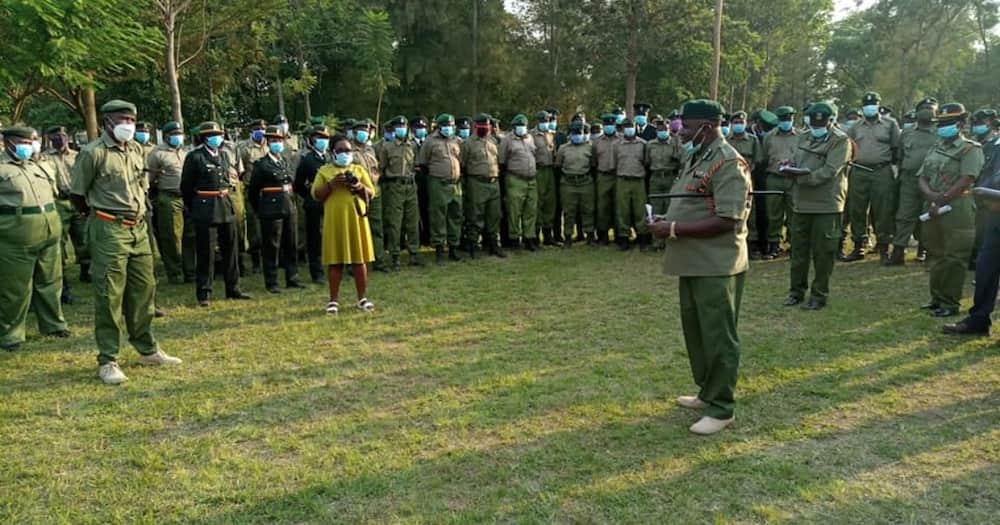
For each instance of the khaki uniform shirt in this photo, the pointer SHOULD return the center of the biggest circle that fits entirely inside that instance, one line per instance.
(916, 143)
(480, 157)
(62, 167)
(364, 155)
(545, 147)
(576, 160)
(442, 156)
(604, 150)
(663, 156)
(24, 184)
(947, 162)
(112, 177)
(248, 153)
(722, 173)
(630, 158)
(779, 147)
(518, 155)
(824, 190)
(397, 158)
(749, 147)
(165, 165)
(877, 141)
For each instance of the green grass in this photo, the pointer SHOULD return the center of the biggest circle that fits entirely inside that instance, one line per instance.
(537, 389)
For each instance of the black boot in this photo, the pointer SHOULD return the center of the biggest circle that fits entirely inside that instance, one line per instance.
(602, 238)
(883, 253)
(549, 237)
(772, 251)
(622, 243)
(531, 245)
(644, 245)
(495, 250)
(84, 272)
(898, 257)
(416, 260)
(453, 254)
(857, 254)
(439, 255)
(754, 248)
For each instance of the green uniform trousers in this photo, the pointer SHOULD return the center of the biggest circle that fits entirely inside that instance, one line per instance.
(779, 207)
(239, 208)
(577, 196)
(74, 234)
(522, 207)
(251, 226)
(910, 205)
(630, 207)
(482, 216)
(375, 224)
(949, 239)
(444, 210)
(605, 208)
(31, 258)
(545, 178)
(176, 238)
(661, 182)
(875, 190)
(817, 236)
(400, 215)
(122, 268)
(710, 311)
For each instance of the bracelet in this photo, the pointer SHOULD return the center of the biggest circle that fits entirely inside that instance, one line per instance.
(673, 229)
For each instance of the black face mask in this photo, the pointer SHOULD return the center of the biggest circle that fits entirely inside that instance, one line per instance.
(57, 141)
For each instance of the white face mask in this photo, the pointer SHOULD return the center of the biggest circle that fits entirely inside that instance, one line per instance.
(36, 146)
(124, 132)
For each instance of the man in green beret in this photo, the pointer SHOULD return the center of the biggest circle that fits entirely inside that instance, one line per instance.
(109, 183)
(74, 225)
(630, 188)
(249, 151)
(481, 171)
(30, 234)
(576, 161)
(400, 211)
(545, 178)
(779, 147)
(516, 154)
(915, 143)
(176, 235)
(663, 159)
(706, 248)
(440, 158)
(747, 144)
(872, 185)
(606, 178)
(945, 177)
(819, 170)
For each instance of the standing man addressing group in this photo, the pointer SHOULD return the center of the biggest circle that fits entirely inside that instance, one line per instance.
(706, 248)
(109, 183)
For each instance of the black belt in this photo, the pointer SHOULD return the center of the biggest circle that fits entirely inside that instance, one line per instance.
(27, 210)
(397, 180)
(608, 173)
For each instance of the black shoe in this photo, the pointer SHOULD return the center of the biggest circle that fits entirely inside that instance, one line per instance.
(965, 328)
(623, 245)
(439, 255)
(856, 255)
(602, 239)
(294, 283)
(791, 300)
(379, 266)
(238, 296)
(453, 254)
(898, 257)
(274, 289)
(771, 253)
(944, 312)
(531, 245)
(813, 304)
(549, 238)
(754, 248)
(929, 306)
(319, 279)
(158, 312)
(61, 334)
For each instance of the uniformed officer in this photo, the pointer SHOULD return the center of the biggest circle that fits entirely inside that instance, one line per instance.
(606, 178)
(60, 157)
(440, 159)
(643, 129)
(748, 145)
(312, 159)
(463, 126)
(109, 183)
(779, 147)
(915, 143)
(545, 178)
(30, 234)
(207, 190)
(819, 169)
(143, 136)
(400, 209)
(948, 171)
(872, 184)
(481, 171)
(418, 134)
(271, 198)
(176, 235)
(630, 188)
(663, 159)
(707, 250)
(251, 150)
(984, 131)
(576, 161)
(364, 155)
(517, 158)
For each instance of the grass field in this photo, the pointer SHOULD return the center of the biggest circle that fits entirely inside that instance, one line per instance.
(537, 389)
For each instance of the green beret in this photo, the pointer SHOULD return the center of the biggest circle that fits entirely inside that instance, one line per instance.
(608, 118)
(784, 111)
(702, 109)
(316, 120)
(952, 111)
(444, 119)
(210, 128)
(626, 121)
(870, 98)
(398, 120)
(542, 115)
(171, 126)
(22, 132)
(319, 130)
(274, 132)
(55, 129)
(363, 123)
(984, 113)
(482, 118)
(576, 127)
(822, 110)
(463, 122)
(258, 123)
(118, 106)
(768, 117)
(347, 123)
(519, 120)
(738, 114)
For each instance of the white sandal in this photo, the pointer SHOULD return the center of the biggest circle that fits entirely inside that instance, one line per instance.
(365, 305)
(332, 308)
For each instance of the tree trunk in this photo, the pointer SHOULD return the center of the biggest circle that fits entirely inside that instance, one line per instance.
(378, 109)
(281, 94)
(88, 110)
(716, 50)
(170, 60)
(632, 59)
(475, 59)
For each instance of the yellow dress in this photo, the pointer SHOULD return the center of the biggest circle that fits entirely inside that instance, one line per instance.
(347, 238)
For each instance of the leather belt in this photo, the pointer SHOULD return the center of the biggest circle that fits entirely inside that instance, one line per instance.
(26, 210)
(109, 217)
(212, 193)
(285, 188)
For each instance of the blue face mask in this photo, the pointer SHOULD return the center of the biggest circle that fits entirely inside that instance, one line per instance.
(361, 136)
(640, 120)
(980, 129)
(663, 135)
(343, 158)
(909, 125)
(420, 133)
(577, 139)
(401, 133)
(543, 126)
(464, 133)
(520, 131)
(175, 141)
(23, 151)
(322, 144)
(141, 137)
(724, 130)
(691, 148)
(214, 141)
(739, 129)
(388, 136)
(848, 123)
(870, 110)
(619, 118)
(447, 131)
(595, 136)
(257, 135)
(629, 132)
(785, 125)
(609, 130)
(947, 132)
(276, 147)
(553, 126)
(818, 132)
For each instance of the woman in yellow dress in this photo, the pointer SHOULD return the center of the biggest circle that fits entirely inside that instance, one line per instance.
(345, 190)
